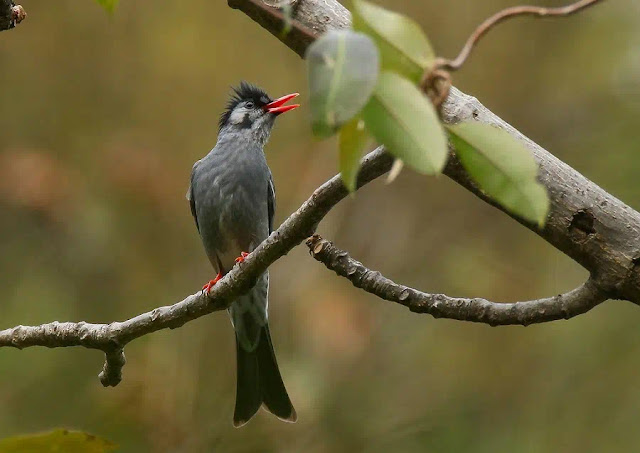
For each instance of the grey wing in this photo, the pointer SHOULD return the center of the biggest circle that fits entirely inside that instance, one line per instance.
(192, 201)
(271, 202)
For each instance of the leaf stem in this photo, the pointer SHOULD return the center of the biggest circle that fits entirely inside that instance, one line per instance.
(508, 13)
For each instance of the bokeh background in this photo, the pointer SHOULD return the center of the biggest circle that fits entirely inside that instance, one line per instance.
(102, 118)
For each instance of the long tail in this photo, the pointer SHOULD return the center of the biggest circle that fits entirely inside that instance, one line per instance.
(259, 382)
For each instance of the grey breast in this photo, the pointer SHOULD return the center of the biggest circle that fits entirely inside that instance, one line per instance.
(230, 187)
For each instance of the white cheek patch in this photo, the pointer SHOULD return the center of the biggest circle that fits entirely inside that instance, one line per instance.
(237, 116)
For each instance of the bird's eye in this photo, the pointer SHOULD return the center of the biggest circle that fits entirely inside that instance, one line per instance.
(249, 105)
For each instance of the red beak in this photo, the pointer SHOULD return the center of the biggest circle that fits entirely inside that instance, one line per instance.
(277, 107)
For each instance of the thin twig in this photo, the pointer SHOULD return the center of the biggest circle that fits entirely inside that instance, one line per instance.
(503, 15)
(563, 306)
(436, 81)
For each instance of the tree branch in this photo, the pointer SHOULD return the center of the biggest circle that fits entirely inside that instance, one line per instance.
(10, 14)
(585, 222)
(111, 338)
(563, 306)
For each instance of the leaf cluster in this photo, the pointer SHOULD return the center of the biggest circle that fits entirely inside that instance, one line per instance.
(364, 82)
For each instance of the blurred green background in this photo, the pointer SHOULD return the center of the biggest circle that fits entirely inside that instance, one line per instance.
(102, 118)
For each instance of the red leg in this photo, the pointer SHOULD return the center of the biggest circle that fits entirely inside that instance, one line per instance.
(206, 288)
(242, 256)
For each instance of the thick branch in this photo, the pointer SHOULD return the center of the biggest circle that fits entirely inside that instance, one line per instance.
(312, 18)
(588, 224)
(10, 14)
(111, 338)
(563, 306)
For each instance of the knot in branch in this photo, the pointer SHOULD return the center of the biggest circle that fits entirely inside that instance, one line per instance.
(436, 83)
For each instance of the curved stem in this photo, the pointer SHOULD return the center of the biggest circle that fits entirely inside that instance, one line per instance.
(503, 15)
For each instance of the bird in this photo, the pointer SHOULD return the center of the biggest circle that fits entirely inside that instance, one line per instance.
(232, 199)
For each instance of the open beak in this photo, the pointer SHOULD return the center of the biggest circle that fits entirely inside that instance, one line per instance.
(277, 107)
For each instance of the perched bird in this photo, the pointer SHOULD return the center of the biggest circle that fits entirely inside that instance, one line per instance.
(232, 200)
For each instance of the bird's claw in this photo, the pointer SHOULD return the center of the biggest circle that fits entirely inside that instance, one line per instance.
(242, 256)
(207, 287)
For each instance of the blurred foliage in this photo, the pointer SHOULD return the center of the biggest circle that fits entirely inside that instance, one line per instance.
(343, 70)
(109, 5)
(103, 117)
(403, 45)
(352, 140)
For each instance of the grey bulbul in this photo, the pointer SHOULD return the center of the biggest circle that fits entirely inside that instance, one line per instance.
(233, 200)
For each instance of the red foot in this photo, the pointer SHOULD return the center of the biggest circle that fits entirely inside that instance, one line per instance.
(206, 288)
(242, 256)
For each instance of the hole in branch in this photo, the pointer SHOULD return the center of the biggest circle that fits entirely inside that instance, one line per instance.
(583, 221)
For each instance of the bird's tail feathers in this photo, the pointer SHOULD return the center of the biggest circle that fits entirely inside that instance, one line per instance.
(259, 381)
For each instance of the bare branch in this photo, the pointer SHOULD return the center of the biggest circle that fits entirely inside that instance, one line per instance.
(111, 338)
(563, 306)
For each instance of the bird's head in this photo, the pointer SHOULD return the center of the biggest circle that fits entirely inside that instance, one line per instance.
(252, 112)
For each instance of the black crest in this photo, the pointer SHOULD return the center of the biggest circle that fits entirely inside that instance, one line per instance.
(244, 92)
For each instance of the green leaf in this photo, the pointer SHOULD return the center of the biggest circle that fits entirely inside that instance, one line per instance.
(352, 140)
(343, 69)
(287, 12)
(503, 168)
(109, 5)
(400, 117)
(404, 48)
(57, 441)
